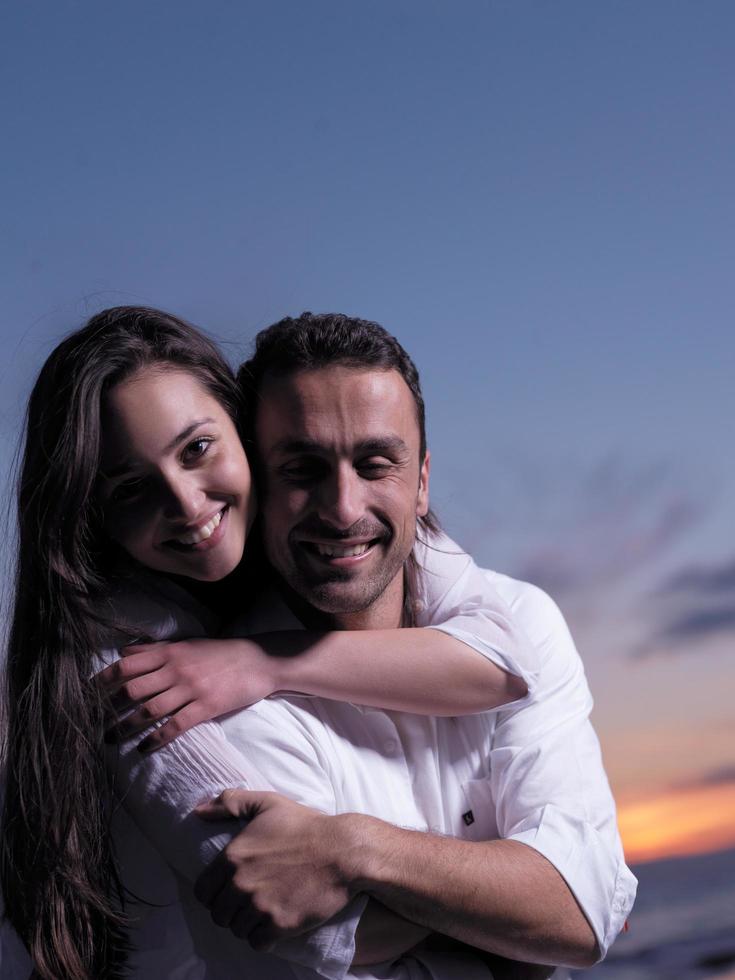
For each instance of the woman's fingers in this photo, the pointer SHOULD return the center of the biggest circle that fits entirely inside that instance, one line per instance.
(145, 687)
(184, 719)
(188, 682)
(152, 710)
(135, 661)
(136, 649)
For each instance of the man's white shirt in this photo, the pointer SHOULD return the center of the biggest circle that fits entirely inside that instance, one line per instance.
(530, 771)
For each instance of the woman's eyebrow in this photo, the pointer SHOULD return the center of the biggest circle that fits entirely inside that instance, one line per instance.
(185, 433)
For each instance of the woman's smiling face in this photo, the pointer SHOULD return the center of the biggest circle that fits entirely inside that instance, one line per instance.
(175, 483)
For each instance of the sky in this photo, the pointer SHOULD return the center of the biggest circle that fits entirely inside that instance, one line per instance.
(536, 198)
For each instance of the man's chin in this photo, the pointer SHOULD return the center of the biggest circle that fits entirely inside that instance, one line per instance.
(339, 591)
(335, 599)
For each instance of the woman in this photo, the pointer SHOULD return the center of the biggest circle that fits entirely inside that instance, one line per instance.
(97, 504)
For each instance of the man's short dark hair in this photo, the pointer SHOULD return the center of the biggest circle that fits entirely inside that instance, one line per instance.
(318, 340)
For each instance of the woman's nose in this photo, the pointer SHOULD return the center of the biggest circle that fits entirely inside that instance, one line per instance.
(184, 498)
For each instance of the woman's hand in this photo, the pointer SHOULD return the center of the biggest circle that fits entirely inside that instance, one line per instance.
(187, 683)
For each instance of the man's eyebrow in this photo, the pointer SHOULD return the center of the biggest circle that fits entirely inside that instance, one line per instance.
(126, 465)
(382, 446)
(287, 446)
(379, 445)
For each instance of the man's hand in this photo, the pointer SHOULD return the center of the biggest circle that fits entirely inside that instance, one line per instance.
(280, 875)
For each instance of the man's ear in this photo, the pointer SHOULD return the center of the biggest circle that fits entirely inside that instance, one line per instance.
(422, 500)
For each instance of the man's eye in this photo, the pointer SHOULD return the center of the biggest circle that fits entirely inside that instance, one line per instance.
(196, 449)
(374, 467)
(301, 470)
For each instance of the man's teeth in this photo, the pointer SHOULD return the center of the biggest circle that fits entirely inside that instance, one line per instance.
(194, 537)
(341, 551)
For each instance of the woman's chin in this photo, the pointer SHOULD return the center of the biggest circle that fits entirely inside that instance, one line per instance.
(210, 560)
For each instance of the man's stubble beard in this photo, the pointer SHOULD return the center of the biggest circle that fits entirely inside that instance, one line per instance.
(339, 591)
(328, 597)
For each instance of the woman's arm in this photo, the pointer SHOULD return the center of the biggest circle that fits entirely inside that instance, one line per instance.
(424, 671)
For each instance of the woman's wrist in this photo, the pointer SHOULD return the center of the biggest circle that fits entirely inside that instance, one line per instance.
(294, 661)
(259, 664)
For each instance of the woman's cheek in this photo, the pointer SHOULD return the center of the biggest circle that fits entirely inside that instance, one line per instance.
(237, 477)
(128, 529)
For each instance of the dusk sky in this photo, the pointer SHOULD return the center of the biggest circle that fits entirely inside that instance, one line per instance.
(536, 198)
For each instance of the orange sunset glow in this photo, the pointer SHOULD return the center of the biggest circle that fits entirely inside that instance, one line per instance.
(678, 822)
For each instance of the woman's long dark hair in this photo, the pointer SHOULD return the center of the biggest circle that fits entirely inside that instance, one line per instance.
(62, 891)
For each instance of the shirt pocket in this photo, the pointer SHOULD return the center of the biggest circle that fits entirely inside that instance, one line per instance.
(478, 821)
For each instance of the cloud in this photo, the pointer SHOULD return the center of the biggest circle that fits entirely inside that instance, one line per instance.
(703, 579)
(683, 632)
(721, 776)
(608, 549)
(694, 604)
(617, 524)
(599, 536)
(698, 623)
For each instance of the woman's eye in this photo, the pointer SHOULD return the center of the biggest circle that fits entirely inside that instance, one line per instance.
(126, 492)
(196, 449)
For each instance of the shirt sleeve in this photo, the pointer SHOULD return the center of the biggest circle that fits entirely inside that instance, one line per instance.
(456, 597)
(161, 789)
(548, 781)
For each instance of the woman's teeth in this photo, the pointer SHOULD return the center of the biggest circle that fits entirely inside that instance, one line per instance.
(202, 533)
(338, 551)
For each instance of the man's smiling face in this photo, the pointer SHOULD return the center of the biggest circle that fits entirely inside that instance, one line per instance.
(342, 486)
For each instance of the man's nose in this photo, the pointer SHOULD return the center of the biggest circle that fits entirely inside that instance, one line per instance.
(341, 499)
(184, 498)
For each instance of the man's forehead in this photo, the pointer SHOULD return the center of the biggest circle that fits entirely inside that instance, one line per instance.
(362, 403)
(336, 376)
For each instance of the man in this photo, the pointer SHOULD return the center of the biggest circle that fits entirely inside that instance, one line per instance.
(512, 848)
(339, 432)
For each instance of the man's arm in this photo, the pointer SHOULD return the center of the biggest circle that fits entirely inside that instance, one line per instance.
(555, 889)
(499, 896)
(293, 866)
(291, 873)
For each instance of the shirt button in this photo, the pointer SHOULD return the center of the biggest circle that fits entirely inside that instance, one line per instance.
(390, 746)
